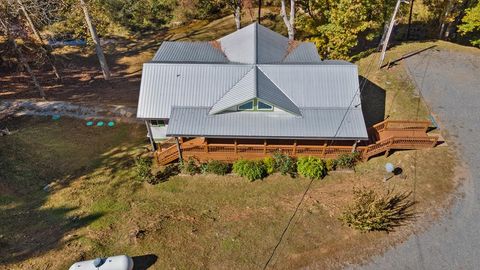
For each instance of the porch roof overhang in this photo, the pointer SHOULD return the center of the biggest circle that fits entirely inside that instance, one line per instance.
(315, 123)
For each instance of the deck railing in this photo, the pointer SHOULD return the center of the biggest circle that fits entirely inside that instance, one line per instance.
(200, 149)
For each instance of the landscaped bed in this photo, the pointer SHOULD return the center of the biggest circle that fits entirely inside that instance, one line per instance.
(96, 206)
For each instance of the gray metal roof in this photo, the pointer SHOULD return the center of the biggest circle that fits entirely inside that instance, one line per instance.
(319, 123)
(194, 52)
(167, 85)
(204, 81)
(305, 52)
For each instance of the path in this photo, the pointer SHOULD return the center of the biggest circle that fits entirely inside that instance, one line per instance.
(452, 90)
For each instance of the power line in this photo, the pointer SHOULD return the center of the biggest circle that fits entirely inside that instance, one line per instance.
(358, 91)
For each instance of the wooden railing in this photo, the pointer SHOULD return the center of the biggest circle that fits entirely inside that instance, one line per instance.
(415, 131)
(402, 125)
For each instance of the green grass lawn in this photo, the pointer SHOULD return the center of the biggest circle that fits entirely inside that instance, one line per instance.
(97, 208)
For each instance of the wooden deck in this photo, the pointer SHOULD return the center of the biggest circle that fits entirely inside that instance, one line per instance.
(384, 137)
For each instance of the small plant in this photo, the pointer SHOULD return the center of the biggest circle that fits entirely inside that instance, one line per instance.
(269, 164)
(348, 161)
(311, 167)
(373, 212)
(285, 164)
(143, 169)
(331, 164)
(190, 167)
(216, 167)
(252, 170)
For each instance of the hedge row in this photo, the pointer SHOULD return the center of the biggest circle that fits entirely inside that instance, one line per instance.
(309, 167)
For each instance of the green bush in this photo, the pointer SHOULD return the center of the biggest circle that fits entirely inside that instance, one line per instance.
(163, 175)
(373, 212)
(269, 164)
(285, 164)
(252, 170)
(331, 164)
(348, 160)
(216, 167)
(311, 167)
(143, 169)
(190, 167)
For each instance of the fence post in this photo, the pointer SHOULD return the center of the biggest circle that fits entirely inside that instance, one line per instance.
(324, 150)
(264, 147)
(294, 147)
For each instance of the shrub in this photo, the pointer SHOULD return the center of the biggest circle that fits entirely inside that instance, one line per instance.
(216, 167)
(372, 212)
(252, 170)
(311, 167)
(143, 169)
(162, 176)
(269, 164)
(348, 160)
(190, 167)
(284, 164)
(331, 164)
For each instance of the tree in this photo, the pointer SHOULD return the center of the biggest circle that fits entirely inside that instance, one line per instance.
(237, 14)
(289, 22)
(96, 41)
(336, 26)
(471, 24)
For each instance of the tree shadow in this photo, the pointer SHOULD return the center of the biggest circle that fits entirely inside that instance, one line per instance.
(373, 102)
(144, 262)
(29, 224)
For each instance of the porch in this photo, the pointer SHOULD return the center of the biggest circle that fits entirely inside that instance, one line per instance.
(384, 137)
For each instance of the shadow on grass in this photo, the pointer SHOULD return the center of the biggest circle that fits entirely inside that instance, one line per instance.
(373, 102)
(62, 152)
(144, 262)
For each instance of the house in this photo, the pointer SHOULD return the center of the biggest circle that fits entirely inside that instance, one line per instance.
(247, 95)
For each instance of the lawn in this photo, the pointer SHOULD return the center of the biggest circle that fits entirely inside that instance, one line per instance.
(96, 207)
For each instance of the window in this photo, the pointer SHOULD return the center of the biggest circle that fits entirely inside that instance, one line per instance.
(261, 106)
(157, 123)
(246, 106)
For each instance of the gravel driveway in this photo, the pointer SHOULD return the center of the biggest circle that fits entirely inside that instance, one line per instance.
(450, 83)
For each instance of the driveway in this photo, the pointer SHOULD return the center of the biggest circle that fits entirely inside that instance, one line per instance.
(450, 83)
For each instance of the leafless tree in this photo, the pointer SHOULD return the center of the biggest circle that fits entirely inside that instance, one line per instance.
(289, 22)
(6, 28)
(96, 41)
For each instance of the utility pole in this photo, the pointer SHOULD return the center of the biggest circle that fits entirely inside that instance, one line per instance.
(386, 39)
(410, 19)
(96, 41)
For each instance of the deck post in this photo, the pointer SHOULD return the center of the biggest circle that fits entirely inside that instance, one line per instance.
(354, 147)
(264, 147)
(205, 145)
(294, 147)
(324, 150)
(150, 136)
(235, 147)
(180, 158)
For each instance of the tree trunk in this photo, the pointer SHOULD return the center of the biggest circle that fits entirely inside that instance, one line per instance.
(289, 22)
(22, 59)
(96, 41)
(46, 51)
(259, 18)
(238, 14)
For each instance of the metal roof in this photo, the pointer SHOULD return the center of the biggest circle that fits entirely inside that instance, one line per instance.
(319, 123)
(201, 52)
(305, 52)
(167, 85)
(196, 85)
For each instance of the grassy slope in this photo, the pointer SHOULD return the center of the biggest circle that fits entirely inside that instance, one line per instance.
(188, 222)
